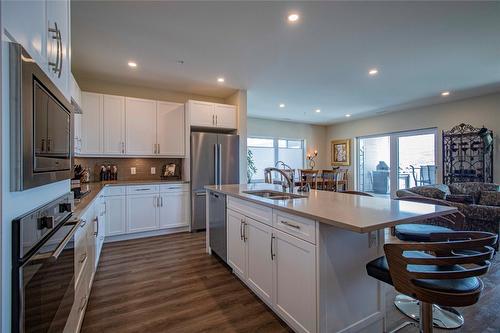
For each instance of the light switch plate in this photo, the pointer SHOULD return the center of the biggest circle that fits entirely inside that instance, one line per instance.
(153, 170)
(132, 170)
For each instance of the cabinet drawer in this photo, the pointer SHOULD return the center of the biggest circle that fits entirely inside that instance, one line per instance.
(174, 188)
(297, 226)
(257, 212)
(114, 190)
(143, 189)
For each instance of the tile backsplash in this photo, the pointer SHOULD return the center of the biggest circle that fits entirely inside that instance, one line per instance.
(142, 166)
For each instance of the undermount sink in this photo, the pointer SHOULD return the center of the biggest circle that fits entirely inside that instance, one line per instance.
(275, 195)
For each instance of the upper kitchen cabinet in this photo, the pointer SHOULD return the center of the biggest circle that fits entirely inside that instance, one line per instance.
(213, 115)
(113, 113)
(140, 132)
(170, 129)
(42, 28)
(91, 124)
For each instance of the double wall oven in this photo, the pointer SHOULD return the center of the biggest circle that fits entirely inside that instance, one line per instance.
(40, 125)
(43, 273)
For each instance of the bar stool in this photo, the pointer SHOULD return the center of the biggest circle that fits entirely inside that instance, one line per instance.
(450, 279)
(444, 317)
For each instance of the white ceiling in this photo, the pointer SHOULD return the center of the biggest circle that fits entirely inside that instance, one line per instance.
(322, 61)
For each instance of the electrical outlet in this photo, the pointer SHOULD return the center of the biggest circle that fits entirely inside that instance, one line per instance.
(153, 170)
(132, 170)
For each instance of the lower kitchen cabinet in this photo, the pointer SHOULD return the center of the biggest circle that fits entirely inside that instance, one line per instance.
(236, 247)
(174, 209)
(142, 212)
(116, 221)
(278, 267)
(294, 281)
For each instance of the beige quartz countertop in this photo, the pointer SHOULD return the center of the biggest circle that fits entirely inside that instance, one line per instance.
(347, 211)
(96, 187)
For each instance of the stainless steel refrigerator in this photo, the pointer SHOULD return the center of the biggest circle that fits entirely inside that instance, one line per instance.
(214, 161)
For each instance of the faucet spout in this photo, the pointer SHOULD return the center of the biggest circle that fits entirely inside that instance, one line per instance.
(290, 184)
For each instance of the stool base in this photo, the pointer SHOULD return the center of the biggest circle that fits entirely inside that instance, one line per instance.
(443, 317)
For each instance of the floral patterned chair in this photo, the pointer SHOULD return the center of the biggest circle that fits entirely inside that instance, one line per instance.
(479, 202)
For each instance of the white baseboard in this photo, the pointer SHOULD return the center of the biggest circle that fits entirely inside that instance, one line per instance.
(117, 238)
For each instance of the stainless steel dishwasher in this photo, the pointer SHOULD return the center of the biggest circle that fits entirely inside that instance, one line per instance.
(217, 224)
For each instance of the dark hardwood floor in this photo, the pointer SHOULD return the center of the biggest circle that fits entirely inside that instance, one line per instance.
(169, 284)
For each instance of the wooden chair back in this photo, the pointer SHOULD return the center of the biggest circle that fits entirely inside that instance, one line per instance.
(329, 179)
(471, 250)
(458, 218)
(310, 177)
(357, 193)
(341, 179)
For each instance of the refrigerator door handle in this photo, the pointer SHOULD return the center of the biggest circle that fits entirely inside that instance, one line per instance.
(219, 163)
(216, 164)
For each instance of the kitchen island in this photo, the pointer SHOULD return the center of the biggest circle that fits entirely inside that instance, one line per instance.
(305, 257)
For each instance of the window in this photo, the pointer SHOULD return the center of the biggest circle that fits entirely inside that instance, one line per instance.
(267, 151)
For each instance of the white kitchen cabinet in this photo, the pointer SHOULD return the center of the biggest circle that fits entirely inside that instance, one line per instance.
(77, 133)
(236, 247)
(91, 123)
(202, 113)
(170, 129)
(116, 215)
(140, 126)
(58, 40)
(114, 125)
(294, 281)
(225, 116)
(142, 212)
(259, 259)
(174, 209)
(100, 225)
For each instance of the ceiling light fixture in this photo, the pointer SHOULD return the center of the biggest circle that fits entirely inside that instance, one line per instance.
(348, 115)
(445, 93)
(132, 64)
(373, 71)
(220, 79)
(318, 110)
(293, 17)
(282, 105)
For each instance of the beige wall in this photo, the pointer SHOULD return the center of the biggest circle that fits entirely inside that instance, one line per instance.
(478, 111)
(314, 135)
(113, 88)
(239, 99)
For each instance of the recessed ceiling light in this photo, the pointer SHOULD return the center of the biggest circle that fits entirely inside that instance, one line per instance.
(282, 105)
(132, 64)
(293, 17)
(373, 71)
(220, 79)
(445, 93)
(348, 115)
(317, 110)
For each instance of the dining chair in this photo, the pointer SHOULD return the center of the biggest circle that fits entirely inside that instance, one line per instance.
(328, 180)
(341, 179)
(309, 176)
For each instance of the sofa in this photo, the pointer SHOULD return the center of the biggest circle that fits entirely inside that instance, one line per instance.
(479, 202)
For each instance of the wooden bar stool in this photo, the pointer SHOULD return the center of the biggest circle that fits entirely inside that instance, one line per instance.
(450, 279)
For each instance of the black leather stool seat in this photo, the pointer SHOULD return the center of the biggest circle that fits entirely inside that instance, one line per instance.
(379, 269)
(418, 232)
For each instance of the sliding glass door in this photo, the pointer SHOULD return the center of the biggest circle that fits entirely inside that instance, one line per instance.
(395, 161)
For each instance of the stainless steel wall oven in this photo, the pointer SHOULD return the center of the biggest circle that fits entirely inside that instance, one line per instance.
(40, 125)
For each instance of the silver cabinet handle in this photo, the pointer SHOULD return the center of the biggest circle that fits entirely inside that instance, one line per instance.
(43, 145)
(96, 220)
(83, 303)
(272, 248)
(241, 228)
(142, 189)
(57, 65)
(161, 200)
(213, 119)
(290, 224)
(244, 232)
(159, 148)
(216, 120)
(82, 258)
(123, 147)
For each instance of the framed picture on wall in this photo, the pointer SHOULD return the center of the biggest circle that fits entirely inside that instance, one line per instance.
(341, 152)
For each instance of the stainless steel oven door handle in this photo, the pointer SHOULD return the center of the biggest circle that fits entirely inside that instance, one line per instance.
(57, 252)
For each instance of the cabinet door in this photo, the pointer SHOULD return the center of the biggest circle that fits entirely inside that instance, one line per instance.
(294, 281)
(202, 113)
(116, 221)
(113, 112)
(77, 118)
(142, 212)
(26, 22)
(225, 116)
(91, 241)
(174, 209)
(58, 50)
(91, 123)
(140, 132)
(236, 247)
(170, 129)
(100, 231)
(259, 262)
